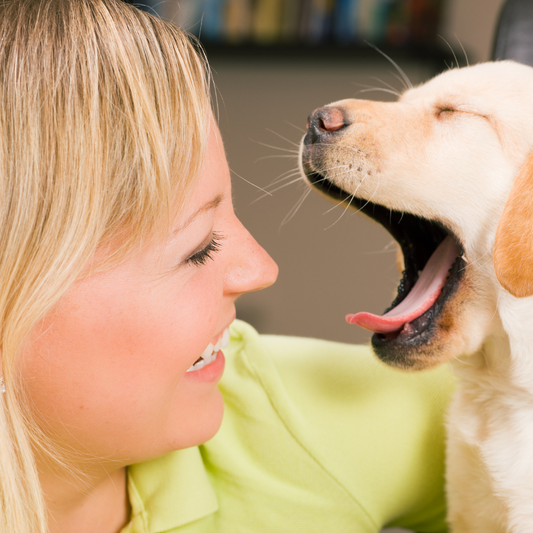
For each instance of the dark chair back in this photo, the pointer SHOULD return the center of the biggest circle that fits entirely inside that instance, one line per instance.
(514, 33)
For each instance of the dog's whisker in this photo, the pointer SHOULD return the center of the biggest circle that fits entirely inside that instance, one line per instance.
(486, 263)
(352, 196)
(344, 166)
(389, 245)
(320, 181)
(296, 208)
(330, 169)
(404, 78)
(345, 147)
(388, 85)
(379, 89)
(324, 172)
(370, 199)
(350, 149)
(342, 214)
(341, 202)
(451, 49)
(276, 156)
(497, 305)
(463, 49)
(387, 249)
(270, 192)
(461, 361)
(281, 179)
(292, 151)
(400, 79)
(285, 176)
(297, 127)
(369, 88)
(299, 178)
(251, 183)
(476, 262)
(284, 138)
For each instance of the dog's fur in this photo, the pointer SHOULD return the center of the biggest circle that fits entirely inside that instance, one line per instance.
(459, 150)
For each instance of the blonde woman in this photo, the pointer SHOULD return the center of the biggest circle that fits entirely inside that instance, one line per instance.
(121, 259)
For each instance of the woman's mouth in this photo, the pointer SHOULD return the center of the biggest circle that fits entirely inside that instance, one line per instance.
(209, 355)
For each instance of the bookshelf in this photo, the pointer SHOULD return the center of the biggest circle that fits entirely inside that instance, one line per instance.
(300, 29)
(435, 58)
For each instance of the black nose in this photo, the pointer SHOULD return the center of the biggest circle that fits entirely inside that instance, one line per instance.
(324, 124)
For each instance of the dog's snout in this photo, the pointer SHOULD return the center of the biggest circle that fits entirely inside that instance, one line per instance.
(324, 123)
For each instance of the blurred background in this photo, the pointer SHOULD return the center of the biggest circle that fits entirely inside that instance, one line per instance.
(273, 62)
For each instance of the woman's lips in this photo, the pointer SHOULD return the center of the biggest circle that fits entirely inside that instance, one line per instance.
(209, 355)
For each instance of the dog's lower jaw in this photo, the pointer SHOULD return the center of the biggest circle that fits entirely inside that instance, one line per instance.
(489, 458)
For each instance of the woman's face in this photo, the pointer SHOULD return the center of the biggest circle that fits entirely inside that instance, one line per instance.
(107, 370)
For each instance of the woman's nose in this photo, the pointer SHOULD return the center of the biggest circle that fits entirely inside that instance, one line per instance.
(250, 268)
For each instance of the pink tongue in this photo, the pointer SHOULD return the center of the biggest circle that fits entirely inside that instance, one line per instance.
(422, 295)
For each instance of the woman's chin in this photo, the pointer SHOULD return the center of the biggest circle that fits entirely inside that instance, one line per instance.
(203, 419)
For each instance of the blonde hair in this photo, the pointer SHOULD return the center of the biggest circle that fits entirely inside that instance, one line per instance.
(103, 124)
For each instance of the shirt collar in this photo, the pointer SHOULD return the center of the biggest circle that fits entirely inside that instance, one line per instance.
(171, 491)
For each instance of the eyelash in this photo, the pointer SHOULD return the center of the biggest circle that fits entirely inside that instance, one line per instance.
(202, 256)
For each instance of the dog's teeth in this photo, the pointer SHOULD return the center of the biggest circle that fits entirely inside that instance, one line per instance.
(463, 257)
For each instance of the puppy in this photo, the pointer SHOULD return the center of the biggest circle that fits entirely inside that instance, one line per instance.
(448, 171)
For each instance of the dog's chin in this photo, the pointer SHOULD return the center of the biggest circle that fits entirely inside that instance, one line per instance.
(446, 336)
(435, 335)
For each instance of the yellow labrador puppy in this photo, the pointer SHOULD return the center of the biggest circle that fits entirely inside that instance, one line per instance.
(448, 171)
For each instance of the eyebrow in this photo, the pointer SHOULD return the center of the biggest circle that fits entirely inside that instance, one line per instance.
(212, 204)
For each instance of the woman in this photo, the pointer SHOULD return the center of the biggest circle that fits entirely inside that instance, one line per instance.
(121, 262)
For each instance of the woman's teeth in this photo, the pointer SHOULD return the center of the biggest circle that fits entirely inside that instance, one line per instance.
(210, 353)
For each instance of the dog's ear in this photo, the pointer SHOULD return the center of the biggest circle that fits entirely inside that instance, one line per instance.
(513, 248)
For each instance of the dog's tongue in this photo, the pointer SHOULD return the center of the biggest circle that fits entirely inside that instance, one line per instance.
(422, 295)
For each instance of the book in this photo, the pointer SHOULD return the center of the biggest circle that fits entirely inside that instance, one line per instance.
(366, 20)
(392, 22)
(345, 21)
(267, 19)
(238, 18)
(212, 26)
(319, 23)
(290, 17)
(304, 15)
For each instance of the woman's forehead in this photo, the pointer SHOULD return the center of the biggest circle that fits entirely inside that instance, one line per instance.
(212, 184)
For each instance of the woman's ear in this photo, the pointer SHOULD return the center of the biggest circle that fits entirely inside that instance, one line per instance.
(513, 248)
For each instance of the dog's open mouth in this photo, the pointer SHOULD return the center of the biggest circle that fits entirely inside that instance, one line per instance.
(434, 265)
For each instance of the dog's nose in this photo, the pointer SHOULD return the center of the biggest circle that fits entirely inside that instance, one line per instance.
(324, 123)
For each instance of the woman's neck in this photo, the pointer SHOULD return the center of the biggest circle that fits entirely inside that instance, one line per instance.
(85, 506)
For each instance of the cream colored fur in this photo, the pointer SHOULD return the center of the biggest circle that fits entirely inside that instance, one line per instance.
(451, 150)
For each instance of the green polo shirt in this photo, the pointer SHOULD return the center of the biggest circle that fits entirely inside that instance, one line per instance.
(316, 437)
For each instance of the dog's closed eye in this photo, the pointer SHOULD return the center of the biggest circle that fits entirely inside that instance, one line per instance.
(443, 110)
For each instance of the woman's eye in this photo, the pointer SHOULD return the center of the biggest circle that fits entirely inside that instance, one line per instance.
(202, 256)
